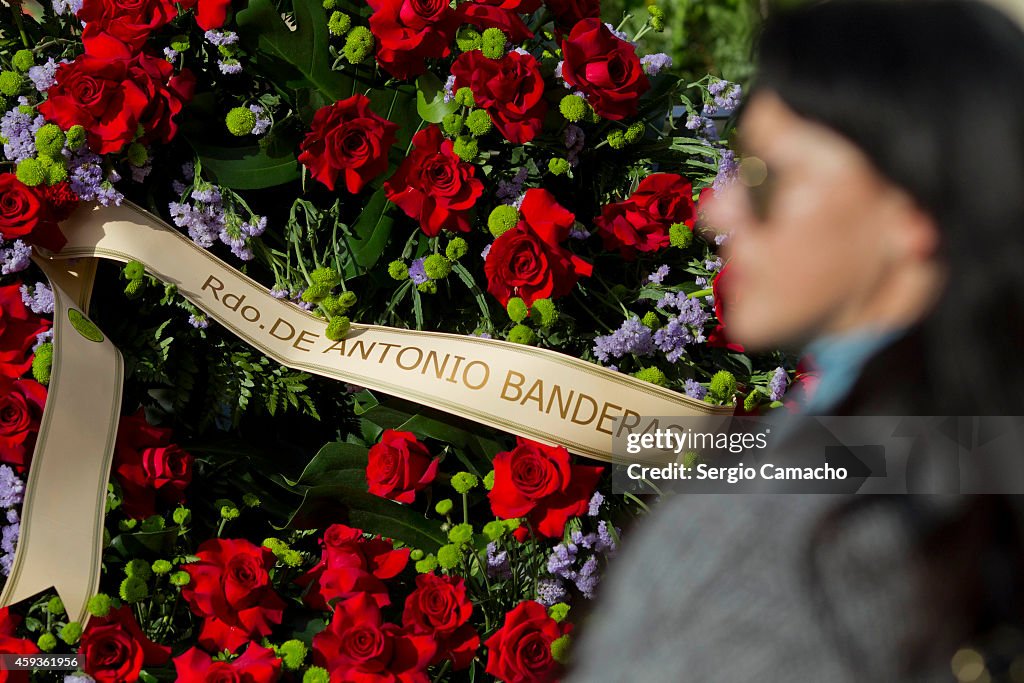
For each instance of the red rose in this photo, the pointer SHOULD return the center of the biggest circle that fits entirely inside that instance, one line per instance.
(435, 187)
(411, 31)
(520, 651)
(119, 28)
(666, 197)
(111, 98)
(358, 646)
(21, 409)
(26, 213)
(625, 227)
(569, 12)
(348, 137)
(518, 6)
(18, 330)
(210, 13)
(718, 336)
(257, 665)
(231, 589)
(484, 15)
(352, 564)
(440, 608)
(146, 462)
(114, 649)
(528, 261)
(605, 68)
(399, 466)
(539, 482)
(510, 89)
(12, 645)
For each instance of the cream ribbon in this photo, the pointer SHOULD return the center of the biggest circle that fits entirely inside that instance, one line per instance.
(536, 393)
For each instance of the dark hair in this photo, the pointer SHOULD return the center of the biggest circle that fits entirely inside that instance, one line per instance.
(933, 92)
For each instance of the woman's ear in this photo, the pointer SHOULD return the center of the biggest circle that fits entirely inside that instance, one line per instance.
(913, 233)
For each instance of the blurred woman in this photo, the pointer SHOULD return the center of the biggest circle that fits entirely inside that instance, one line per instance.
(878, 222)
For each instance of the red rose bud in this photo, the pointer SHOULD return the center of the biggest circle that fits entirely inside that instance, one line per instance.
(408, 32)
(352, 564)
(440, 607)
(540, 483)
(520, 651)
(433, 186)
(359, 646)
(146, 462)
(399, 465)
(605, 68)
(116, 28)
(528, 261)
(230, 588)
(510, 89)
(348, 137)
(21, 409)
(114, 649)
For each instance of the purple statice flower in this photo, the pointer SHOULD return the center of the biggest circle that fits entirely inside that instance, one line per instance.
(562, 559)
(140, 173)
(43, 75)
(278, 293)
(170, 54)
(39, 300)
(558, 73)
(673, 338)
(658, 276)
(713, 264)
(220, 38)
(498, 565)
(229, 67)
(721, 238)
(86, 174)
(262, 120)
(449, 89)
(200, 322)
(726, 94)
(605, 541)
(12, 488)
(693, 389)
(550, 592)
(728, 167)
(656, 63)
(417, 273)
(594, 507)
(304, 305)
(79, 678)
(508, 190)
(700, 281)
(578, 232)
(18, 130)
(66, 6)
(777, 384)
(14, 257)
(574, 142)
(631, 337)
(694, 122)
(588, 577)
(42, 338)
(486, 251)
(8, 543)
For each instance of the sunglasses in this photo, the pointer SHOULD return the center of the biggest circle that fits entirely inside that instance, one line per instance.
(756, 179)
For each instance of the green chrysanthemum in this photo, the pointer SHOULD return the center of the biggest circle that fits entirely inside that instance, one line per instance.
(468, 39)
(516, 309)
(42, 363)
(560, 649)
(558, 611)
(437, 266)
(138, 568)
(559, 166)
(652, 375)
(10, 83)
(521, 334)
(31, 172)
(71, 632)
(426, 565)
(338, 328)
(456, 249)
(162, 567)
(544, 312)
(75, 137)
(292, 654)
(100, 605)
(493, 43)
(133, 589)
(479, 122)
(55, 605)
(50, 139)
(464, 482)
(651, 320)
(574, 108)
(444, 506)
(634, 132)
(453, 123)
(398, 270)
(339, 24)
(137, 154)
(316, 674)
(489, 480)
(680, 235)
(722, 386)
(46, 642)
(466, 148)
(503, 218)
(464, 97)
(494, 530)
(617, 139)
(461, 534)
(181, 516)
(449, 556)
(359, 44)
(181, 578)
(240, 121)
(23, 60)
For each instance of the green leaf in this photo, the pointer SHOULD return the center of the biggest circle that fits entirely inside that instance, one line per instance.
(430, 102)
(324, 505)
(247, 168)
(372, 230)
(335, 463)
(304, 50)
